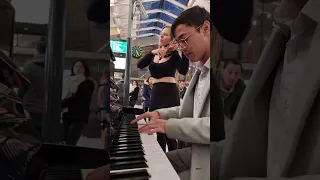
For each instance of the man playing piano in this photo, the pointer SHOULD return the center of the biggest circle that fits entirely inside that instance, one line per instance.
(189, 122)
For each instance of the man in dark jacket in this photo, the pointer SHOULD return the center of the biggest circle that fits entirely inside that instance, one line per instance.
(33, 95)
(231, 86)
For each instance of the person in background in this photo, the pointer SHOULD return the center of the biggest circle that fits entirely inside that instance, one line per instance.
(163, 64)
(231, 86)
(78, 104)
(120, 90)
(33, 99)
(182, 88)
(134, 94)
(146, 94)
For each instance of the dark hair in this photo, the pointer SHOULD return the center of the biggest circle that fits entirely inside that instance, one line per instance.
(232, 61)
(85, 66)
(194, 16)
(136, 82)
(148, 79)
(122, 76)
(41, 47)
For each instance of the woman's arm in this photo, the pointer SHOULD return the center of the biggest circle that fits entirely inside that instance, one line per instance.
(82, 96)
(183, 63)
(145, 60)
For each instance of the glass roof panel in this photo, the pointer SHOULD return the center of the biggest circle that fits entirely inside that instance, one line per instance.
(165, 5)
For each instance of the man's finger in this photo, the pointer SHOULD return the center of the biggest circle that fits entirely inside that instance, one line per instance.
(142, 116)
(143, 128)
(148, 127)
(156, 130)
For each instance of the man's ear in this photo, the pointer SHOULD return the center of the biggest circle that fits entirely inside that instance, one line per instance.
(206, 28)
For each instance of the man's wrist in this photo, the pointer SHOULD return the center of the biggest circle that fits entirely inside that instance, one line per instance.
(158, 113)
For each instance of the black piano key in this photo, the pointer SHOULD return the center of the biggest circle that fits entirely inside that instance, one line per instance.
(126, 158)
(131, 175)
(129, 138)
(126, 148)
(128, 131)
(127, 153)
(128, 165)
(126, 141)
(126, 145)
(140, 174)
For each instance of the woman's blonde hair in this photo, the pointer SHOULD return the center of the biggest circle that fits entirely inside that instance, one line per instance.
(169, 27)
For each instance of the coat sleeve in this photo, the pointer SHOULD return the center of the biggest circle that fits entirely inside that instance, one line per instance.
(168, 113)
(191, 130)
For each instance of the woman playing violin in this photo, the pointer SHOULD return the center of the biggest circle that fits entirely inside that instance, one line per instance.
(163, 64)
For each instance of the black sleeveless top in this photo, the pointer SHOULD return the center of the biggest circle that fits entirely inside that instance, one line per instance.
(165, 69)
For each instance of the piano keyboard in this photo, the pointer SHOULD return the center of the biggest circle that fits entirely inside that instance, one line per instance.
(148, 157)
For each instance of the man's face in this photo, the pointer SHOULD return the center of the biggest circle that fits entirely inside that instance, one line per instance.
(197, 42)
(231, 74)
(182, 84)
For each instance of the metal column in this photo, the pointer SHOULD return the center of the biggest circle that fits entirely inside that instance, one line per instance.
(128, 56)
(52, 128)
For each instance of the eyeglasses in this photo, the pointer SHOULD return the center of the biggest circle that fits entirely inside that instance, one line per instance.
(182, 43)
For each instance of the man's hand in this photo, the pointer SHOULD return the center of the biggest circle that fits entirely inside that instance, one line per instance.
(155, 125)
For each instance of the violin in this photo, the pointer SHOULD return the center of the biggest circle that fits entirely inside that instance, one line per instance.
(171, 48)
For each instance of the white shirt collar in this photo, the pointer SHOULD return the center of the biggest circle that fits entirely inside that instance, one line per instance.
(200, 66)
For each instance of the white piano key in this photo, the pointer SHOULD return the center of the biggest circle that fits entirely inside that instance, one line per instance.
(160, 167)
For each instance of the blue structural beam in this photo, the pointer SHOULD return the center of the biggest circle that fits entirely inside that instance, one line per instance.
(165, 5)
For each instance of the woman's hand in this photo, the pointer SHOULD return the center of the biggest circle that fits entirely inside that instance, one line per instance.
(172, 46)
(160, 52)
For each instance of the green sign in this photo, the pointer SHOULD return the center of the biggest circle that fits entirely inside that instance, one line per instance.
(136, 51)
(118, 46)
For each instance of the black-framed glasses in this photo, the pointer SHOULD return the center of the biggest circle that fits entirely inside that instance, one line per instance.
(182, 43)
